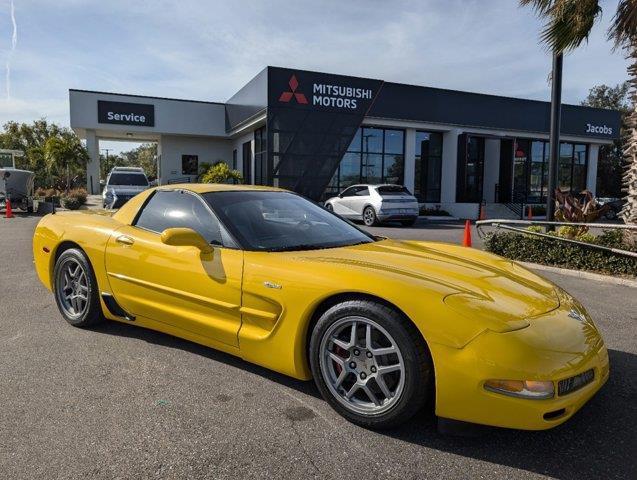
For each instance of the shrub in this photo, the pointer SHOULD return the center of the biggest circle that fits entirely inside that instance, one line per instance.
(220, 172)
(434, 212)
(74, 199)
(47, 192)
(71, 203)
(530, 248)
(80, 193)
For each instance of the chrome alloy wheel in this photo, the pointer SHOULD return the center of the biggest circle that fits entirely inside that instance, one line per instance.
(72, 288)
(362, 365)
(368, 216)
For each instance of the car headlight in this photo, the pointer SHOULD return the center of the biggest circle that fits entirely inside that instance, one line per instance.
(532, 389)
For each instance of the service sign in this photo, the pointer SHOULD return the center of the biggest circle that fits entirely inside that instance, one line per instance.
(121, 113)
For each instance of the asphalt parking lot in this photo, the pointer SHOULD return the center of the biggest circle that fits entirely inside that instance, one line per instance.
(122, 402)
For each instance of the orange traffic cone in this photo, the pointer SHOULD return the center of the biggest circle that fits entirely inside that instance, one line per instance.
(530, 215)
(466, 241)
(8, 213)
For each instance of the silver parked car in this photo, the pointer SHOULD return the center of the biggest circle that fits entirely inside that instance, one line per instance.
(122, 184)
(376, 203)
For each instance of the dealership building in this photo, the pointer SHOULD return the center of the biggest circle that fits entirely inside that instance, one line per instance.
(317, 133)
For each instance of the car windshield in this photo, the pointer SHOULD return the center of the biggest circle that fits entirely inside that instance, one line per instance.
(136, 179)
(280, 221)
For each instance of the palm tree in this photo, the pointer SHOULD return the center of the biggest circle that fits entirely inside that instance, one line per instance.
(64, 154)
(568, 25)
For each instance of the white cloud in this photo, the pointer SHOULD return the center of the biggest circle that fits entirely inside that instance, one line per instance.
(207, 50)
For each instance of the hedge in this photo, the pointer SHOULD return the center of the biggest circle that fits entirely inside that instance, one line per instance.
(531, 248)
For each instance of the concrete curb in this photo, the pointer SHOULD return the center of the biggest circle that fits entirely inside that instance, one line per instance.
(627, 282)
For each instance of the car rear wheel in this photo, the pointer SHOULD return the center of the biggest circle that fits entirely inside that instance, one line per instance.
(329, 207)
(610, 214)
(75, 289)
(369, 217)
(370, 363)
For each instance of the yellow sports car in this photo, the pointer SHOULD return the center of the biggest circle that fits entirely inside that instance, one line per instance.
(380, 325)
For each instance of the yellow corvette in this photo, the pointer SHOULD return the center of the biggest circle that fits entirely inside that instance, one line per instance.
(381, 325)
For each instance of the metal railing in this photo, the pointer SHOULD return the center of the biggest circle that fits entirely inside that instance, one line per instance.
(506, 225)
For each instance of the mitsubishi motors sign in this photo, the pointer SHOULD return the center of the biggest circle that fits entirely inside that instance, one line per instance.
(301, 89)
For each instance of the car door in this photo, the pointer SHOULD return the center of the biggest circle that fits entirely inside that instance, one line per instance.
(359, 201)
(180, 286)
(346, 202)
(339, 204)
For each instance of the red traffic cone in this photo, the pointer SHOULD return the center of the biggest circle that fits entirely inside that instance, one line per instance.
(530, 214)
(466, 241)
(8, 212)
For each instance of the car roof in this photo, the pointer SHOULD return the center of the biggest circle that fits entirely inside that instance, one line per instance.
(376, 185)
(128, 169)
(218, 187)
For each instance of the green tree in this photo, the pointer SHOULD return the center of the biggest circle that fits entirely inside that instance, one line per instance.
(219, 172)
(144, 156)
(610, 162)
(568, 25)
(32, 138)
(65, 155)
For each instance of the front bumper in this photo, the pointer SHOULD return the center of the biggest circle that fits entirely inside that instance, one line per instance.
(117, 201)
(554, 347)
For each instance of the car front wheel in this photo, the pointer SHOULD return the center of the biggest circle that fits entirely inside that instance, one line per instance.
(370, 363)
(75, 289)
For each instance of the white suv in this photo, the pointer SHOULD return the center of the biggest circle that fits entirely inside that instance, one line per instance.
(122, 184)
(376, 203)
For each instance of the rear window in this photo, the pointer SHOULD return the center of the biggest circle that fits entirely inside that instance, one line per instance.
(393, 190)
(137, 179)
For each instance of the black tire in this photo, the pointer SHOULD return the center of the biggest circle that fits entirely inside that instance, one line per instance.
(418, 367)
(369, 216)
(91, 314)
(409, 223)
(329, 207)
(610, 214)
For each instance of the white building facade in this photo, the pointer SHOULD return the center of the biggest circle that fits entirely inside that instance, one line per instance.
(318, 133)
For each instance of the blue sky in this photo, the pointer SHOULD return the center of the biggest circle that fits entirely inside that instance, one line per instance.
(206, 50)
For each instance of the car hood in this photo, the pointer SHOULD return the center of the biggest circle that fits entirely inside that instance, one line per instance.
(479, 284)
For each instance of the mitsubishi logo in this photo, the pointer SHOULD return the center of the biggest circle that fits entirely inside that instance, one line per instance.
(287, 96)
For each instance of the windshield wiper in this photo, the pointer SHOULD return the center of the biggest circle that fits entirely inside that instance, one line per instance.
(291, 248)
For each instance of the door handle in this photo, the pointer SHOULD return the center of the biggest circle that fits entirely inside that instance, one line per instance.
(124, 240)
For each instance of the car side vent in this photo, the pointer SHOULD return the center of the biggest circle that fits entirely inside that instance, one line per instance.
(115, 309)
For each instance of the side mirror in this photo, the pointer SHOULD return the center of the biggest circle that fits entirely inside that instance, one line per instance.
(102, 182)
(185, 237)
(340, 195)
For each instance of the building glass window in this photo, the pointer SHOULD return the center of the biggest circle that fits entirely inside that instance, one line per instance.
(565, 168)
(579, 168)
(428, 168)
(190, 165)
(520, 168)
(260, 157)
(531, 174)
(375, 155)
(470, 169)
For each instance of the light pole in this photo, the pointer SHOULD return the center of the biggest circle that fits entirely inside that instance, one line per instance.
(106, 160)
(554, 141)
